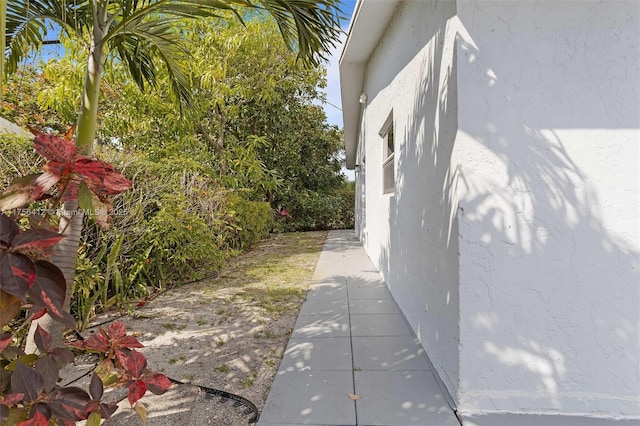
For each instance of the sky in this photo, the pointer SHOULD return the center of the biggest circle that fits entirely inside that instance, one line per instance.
(334, 115)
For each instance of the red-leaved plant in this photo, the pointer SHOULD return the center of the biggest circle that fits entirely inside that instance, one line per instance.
(29, 390)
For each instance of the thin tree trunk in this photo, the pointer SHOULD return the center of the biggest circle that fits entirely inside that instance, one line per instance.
(66, 253)
(219, 145)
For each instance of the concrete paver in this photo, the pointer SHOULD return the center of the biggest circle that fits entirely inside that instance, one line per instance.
(409, 398)
(373, 306)
(379, 325)
(388, 353)
(321, 326)
(317, 354)
(351, 338)
(310, 398)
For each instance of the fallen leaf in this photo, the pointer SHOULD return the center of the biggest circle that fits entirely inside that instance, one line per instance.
(353, 396)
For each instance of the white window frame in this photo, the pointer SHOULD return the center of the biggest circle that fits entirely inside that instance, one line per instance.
(388, 156)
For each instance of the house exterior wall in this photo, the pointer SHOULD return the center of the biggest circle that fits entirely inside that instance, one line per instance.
(411, 234)
(548, 150)
(512, 240)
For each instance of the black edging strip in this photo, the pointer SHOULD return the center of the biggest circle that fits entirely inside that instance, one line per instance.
(251, 407)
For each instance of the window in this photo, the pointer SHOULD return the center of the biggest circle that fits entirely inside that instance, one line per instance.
(388, 149)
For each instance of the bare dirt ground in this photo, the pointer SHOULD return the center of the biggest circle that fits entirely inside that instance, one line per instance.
(227, 333)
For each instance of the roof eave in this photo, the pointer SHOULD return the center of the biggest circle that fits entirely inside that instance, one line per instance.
(370, 19)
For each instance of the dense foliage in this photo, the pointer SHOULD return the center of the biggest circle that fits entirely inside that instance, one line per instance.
(207, 183)
(31, 285)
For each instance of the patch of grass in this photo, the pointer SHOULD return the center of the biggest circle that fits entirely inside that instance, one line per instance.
(180, 358)
(249, 381)
(219, 342)
(201, 321)
(173, 326)
(270, 334)
(224, 368)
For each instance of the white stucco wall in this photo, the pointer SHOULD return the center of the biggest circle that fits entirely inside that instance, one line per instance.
(412, 234)
(548, 149)
(512, 241)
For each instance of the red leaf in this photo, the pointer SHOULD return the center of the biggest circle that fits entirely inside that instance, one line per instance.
(8, 230)
(42, 339)
(62, 356)
(58, 168)
(137, 390)
(116, 330)
(38, 420)
(49, 370)
(71, 190)
(35, 240)
(158, 383)
(28, 381)
(70, 403)
(12, 399)
(107, 410)
(5, 340)
(49, 291)
(102, 177)
(54, 148)
(43, 409)
(122, 355)
(129, 342)
(96, 388)
(97, 342)
(135, 363)
(17, 274)
(40, 313)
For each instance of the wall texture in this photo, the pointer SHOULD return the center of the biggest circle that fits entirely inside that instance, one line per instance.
(512, 240)
(548, 150)
(412, 234)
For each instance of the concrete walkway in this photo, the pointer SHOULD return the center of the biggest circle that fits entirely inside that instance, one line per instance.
(352, 359)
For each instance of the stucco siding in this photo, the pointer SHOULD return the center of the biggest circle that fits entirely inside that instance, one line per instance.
(548, 150)
(412, 234)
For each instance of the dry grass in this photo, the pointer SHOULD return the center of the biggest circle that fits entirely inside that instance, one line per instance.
(230, 332)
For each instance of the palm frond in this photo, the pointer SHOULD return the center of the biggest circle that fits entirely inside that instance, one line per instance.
(141, 44)
(26, 24)
(312, 27)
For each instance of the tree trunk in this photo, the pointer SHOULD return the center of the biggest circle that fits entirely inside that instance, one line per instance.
(66, 252)
(65, 255)
(219, 144)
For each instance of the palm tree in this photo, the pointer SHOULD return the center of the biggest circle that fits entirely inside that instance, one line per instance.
(143, 34)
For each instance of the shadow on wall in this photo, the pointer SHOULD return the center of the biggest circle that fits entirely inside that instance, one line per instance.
(422, 254)
(551, 294)
(547, 290)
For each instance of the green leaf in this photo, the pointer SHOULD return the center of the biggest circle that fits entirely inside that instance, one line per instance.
(94, 419)
(85, 199)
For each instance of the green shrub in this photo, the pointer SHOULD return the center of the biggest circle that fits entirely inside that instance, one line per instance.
(166, 230)
(310, 211)
(248, 222)
(180, 244)
(17, 158)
